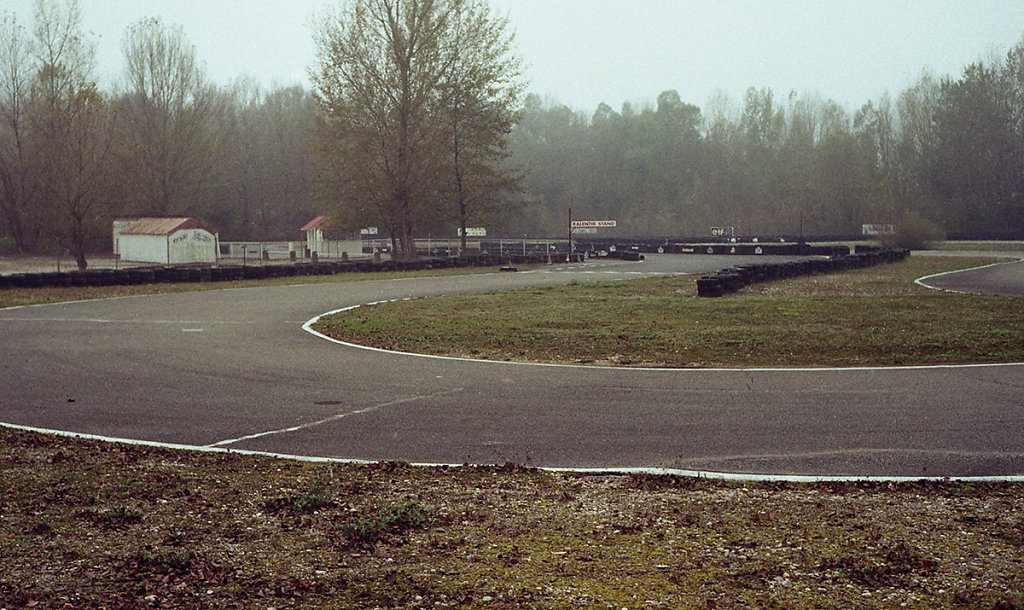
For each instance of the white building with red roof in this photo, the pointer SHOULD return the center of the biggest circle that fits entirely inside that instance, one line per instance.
(168, 241)
(315, 235)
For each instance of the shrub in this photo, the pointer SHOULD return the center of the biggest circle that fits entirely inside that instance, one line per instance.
(913, 232)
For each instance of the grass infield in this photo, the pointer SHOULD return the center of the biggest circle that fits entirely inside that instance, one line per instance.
(875, 316)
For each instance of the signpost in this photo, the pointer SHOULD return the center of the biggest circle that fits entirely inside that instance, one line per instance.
(585, 226)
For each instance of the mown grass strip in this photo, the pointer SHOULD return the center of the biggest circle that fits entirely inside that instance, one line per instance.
(873, 316)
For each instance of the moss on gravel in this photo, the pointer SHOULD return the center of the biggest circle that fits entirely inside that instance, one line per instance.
(86, 524)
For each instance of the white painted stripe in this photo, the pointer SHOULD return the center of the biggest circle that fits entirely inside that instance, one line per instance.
(336, 417)
(705, 474)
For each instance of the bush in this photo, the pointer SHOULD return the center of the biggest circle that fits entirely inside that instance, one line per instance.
(914, 232)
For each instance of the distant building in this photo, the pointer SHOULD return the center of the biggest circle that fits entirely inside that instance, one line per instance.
(315, 236)
(168, 241)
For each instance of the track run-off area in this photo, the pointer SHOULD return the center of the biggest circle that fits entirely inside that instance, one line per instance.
(234, 370)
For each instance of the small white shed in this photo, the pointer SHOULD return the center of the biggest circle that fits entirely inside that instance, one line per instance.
(168, 241)
(315, 235)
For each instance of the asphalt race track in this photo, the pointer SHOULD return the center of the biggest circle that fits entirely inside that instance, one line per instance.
(234, 369)
(1003, 279)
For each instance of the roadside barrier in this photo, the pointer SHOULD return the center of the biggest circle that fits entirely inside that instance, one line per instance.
(724, 282)
(732, 279)
(171, 274)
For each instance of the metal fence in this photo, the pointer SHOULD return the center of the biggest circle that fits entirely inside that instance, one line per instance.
(255, 251)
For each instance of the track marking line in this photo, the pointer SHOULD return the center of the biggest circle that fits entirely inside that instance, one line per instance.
(332, 418)
(703, 474)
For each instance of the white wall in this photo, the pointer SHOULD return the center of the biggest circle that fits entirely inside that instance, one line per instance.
(181, 247)
(143, 248)
(193, 246)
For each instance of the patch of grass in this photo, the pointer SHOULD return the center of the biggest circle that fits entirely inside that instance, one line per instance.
(979, 246)
(875, 316)
(393, 518)
(119, 517)
(164, 560)
(318, 495)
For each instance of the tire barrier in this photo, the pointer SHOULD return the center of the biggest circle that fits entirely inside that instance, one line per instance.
(717, 248)
(168, 275)
(724, 282)
(732, 279)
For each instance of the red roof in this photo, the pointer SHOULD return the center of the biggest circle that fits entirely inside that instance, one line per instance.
(162, 226)
(313, 224)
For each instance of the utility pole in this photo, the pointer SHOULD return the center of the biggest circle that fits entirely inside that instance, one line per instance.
(568, 255)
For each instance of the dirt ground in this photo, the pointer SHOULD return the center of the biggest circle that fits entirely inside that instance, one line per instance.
(87, 524)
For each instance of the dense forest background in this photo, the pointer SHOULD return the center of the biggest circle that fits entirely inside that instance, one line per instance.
(947, 152)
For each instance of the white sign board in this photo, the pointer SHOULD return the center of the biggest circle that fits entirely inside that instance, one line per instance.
(368, 231)
(473, 232)
(596, 224)
(878, 229)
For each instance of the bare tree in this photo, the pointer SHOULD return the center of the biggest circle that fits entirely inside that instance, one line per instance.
(73, 129)
(170, 113)
(267, 162)
(17, 180)
(379, 62)
(481, 93)
(414, 102)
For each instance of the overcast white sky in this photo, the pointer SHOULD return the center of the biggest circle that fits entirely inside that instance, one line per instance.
(583, 52)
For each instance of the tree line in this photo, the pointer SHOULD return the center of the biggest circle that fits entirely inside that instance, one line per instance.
(163, 141)
(946, 154)
(417, 122)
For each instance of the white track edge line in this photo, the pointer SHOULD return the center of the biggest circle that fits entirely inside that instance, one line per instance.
(921, 280)
(700, 474)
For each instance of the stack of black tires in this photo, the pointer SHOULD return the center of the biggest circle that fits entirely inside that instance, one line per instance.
(172, 274)
(732, 279)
